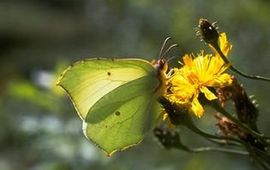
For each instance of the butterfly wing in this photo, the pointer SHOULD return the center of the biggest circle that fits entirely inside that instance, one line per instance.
(88, 80)
(117, 100)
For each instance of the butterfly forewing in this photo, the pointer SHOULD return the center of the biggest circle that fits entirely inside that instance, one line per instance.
(89, 80)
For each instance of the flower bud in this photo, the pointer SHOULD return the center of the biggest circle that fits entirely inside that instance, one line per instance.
(208, 31)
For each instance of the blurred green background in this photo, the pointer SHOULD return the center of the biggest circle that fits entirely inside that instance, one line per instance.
(39, 38)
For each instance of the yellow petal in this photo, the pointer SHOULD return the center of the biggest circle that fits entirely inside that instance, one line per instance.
(197, 108)
(222, 39)
(225, 46)
(207, 93)
(223, 80)
(187, 59)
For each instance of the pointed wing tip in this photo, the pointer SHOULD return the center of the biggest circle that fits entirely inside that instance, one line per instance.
(62, 75)
(58, 81)
(109, 154)
(60, 78)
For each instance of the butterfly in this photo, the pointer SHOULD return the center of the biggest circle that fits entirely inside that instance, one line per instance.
(117, 99)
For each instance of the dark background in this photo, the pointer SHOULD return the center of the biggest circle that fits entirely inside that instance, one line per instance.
(40, 38)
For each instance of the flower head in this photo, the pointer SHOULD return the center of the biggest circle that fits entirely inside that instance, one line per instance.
(199, 74)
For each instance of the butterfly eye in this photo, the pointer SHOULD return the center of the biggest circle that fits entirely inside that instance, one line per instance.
(161, 64)
(207, 31)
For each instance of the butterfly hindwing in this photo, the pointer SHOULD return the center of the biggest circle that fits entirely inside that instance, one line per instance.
(132, 111)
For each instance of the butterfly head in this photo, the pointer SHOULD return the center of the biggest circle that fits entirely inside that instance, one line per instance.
(160, 65)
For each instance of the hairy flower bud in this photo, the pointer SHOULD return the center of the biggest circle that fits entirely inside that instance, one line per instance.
(208, 31)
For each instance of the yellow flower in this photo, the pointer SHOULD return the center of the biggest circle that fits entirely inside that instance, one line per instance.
(196, 76)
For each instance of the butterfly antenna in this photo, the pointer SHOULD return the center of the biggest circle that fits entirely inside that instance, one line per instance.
(169, 49)
(169, 59)
(163, 46)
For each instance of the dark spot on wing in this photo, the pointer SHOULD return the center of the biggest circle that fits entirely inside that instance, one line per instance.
(117, 113)
(108, 73)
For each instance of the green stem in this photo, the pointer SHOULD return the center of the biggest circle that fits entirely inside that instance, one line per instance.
(181, 146)
(216, 46)
(223, 142)
(253, 154)
(189, 124)
(203, 149)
